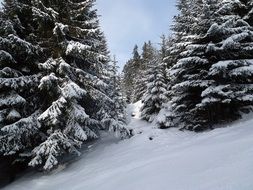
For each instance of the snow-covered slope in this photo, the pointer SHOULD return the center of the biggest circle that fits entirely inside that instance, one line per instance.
(158, 160)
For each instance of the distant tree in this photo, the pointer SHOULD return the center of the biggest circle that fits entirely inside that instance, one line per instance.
(164, 45)
(115, 116)
(149, 53)
(131, 72)
(155, 96)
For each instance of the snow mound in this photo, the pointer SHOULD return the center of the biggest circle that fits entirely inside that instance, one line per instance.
(157, 159)
(133, 110)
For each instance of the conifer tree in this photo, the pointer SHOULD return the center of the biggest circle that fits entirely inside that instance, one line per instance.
(209, 86)
(118, 98)
(149, 53)
(188, 73)
(230, 72)
(131, 71)
(20, 55)
(155, 96)
(115, 116)
(182, 28)
(184, 32)
(249, 12)
(58, 75)
(163, 47)
(77, 75)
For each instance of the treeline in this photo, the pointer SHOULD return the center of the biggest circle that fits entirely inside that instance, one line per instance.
(58, 84)
(209, 67)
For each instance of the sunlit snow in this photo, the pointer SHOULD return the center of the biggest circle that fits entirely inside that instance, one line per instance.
(157, 159)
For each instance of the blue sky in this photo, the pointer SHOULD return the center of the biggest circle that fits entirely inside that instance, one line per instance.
(130, 22)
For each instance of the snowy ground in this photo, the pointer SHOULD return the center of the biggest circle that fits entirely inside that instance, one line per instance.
(218, 160)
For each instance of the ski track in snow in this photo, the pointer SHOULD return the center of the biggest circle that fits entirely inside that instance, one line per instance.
(221, 159)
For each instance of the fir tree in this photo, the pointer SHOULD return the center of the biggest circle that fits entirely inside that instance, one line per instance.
(155, 96)
(184, 32)
(119, 106)
(149, 53)
(163, 47)
(249, 13)
(20, 55)
(230, 72)
(188, 74)
(77, 76)
(58, 75)
(115, 115)
(205, 90)
(131, 71)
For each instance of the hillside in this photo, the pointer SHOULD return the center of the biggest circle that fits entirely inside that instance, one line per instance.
(157, 159)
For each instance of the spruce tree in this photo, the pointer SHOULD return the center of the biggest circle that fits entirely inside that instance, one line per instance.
(20, 76)
(58, 75)
(230, 73)
(249, 15)
(155, 96)
(118, 98)
(131, 72)
(115, 115)
(164, 46)
(183, 34)
(77, 75)
(184, 23)
(205, 90)
(149, 53)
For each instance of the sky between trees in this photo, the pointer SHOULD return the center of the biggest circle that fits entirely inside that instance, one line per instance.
(130, 22)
